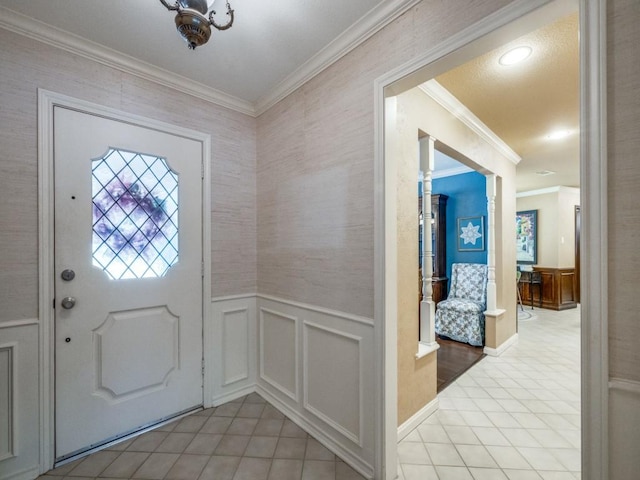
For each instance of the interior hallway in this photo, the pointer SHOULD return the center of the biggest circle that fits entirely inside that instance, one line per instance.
(514, 417)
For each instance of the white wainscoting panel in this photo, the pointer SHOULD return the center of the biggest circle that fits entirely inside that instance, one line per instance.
(279, 351)
(333, 363)
(234, 363)
(19, 425)
(317, 366)
(7, 402)
(624, 435)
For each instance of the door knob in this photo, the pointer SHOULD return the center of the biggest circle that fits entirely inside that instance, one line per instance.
(68, 302)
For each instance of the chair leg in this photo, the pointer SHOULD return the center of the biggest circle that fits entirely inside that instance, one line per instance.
(519, 297)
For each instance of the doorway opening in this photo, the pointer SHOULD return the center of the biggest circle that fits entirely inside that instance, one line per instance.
(514, 21)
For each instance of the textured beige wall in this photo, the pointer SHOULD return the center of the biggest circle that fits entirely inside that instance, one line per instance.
(25, 66)
(556, 226)
(623, 109)
(315, 166)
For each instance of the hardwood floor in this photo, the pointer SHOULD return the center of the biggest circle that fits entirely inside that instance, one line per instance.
(454, 358)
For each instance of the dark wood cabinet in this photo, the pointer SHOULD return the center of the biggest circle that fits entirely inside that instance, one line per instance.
(557, 290)
(439, 282)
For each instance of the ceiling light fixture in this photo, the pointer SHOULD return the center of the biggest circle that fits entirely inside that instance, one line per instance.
(544, 173)
(515, 55)
(192, 21)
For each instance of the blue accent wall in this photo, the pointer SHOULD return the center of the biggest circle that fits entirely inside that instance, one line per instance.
(467, 198)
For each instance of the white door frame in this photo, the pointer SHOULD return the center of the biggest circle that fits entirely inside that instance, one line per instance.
(593, 170)
(47, 100)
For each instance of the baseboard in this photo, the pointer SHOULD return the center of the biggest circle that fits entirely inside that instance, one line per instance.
(496, 352)
(334, 445)
(420, 416)
(27, 474)
(235, 394)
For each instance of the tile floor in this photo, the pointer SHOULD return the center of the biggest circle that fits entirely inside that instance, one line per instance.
(247, 439)
(513, 417)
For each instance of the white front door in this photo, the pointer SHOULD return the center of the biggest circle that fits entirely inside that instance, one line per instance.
(128, 287)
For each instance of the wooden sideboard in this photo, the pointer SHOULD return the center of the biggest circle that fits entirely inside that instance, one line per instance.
(558, 289)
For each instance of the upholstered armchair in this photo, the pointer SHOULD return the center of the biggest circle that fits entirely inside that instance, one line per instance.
(461, 316)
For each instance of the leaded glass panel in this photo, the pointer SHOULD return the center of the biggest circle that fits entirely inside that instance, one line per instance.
(135, 215)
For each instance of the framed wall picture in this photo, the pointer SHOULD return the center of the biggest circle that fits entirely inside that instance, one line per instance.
(471, 234)
(527, 237)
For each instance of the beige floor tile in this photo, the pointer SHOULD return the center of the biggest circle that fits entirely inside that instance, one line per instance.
(476, 456)
(147, 442)
(345, 472)
(242, 426)
(522, 475)
(487, 474)
(285, 469)
(291, 448)
(263, 447)
(227, 410)
(317, 451)
(125, 465)
(121, 446)
(190, 424)
(216, 425)
(508, 458)
(250, 410)
(444, 454)
(290, 429)
(220, 468)
(175, 442)
(268, 427)
(318, 470)
(156, 466)
(253, 469)
(233, 445)
(414, 453)
(187, 467)
(453, 473)
(94, 464)
(271, 412)
(64, 469)
(203, 444)
(255, 398)
(419, 472)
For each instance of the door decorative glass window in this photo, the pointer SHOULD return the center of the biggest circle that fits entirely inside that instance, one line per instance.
(135, 215)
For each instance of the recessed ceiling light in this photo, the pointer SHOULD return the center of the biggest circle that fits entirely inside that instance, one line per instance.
(544, 173)
(515, 55)
(558, 134)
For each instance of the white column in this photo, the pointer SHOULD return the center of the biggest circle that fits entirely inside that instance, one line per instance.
(427, 306)
(491, 244)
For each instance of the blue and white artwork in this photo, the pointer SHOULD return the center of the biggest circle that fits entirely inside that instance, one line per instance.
(471, 234)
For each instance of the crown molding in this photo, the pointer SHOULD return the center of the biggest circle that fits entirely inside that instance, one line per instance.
(450, 103)
(544, 191)
(42, 32)
(450, 172)
(382, 15)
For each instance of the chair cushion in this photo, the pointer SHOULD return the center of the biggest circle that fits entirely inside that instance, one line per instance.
(461, 305)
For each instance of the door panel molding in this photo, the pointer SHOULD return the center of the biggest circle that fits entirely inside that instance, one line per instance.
(47, 100)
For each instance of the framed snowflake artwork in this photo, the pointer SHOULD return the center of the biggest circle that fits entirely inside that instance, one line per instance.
(471, 234)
